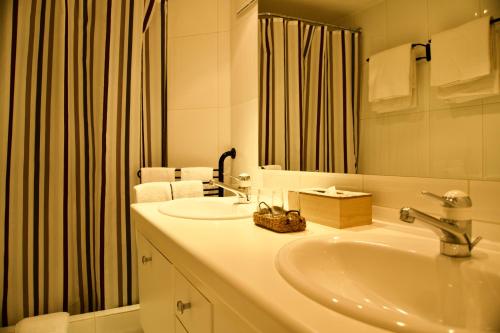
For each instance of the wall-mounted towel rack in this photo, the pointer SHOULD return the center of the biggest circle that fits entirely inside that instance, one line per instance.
(218, 174)
(494, 20)
(427, 46)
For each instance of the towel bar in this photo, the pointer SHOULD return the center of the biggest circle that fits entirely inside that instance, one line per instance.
(427, 51)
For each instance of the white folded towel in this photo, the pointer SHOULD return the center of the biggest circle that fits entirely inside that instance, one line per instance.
(482, 87)
(390, 74)
(153, 192)
(50, 323)
(387, 94)
(197, 173)
(149, 175)
(187, 189)
(461, 54)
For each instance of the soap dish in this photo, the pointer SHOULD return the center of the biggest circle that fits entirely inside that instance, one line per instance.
(287, 221)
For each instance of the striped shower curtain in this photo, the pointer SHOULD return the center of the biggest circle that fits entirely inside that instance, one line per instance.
(72, 136)
(309, 96)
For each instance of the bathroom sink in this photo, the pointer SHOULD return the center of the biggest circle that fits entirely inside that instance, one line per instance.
(207, 208)
(397, 282)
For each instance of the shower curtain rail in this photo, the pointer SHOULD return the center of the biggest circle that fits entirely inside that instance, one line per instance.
(286, 17)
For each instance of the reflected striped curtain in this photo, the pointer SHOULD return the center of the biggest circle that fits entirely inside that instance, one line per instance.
(309, 96)
(70, 146)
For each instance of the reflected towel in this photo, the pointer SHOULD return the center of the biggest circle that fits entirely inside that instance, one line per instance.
(391, 74)
(482, 87)
(197, 173)
(461, 54)
(50, 323)
(149, 175)
(187, 189)
(271, 167)
(153, 192)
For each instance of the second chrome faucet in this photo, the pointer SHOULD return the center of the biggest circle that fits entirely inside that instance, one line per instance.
(454, 229)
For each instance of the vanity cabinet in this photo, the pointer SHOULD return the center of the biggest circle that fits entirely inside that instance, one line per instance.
(156, 288)
(172, 302)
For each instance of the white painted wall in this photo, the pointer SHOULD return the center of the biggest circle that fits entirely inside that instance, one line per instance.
(198, 82)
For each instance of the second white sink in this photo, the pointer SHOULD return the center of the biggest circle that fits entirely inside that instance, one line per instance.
(397, 282)
(207, 208)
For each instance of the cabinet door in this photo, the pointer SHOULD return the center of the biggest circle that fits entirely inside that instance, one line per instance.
(155, 289)
(193, 310)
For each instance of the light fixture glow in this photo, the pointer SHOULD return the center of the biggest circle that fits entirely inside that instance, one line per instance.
(400, 323)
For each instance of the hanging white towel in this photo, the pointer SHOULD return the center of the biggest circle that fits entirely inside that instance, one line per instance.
(390, 74)
(461, 54)
(482, 87)
(197, 173)
(149, 175)
(187, 189)
(387, 94)
(49, 323)
(153, 192)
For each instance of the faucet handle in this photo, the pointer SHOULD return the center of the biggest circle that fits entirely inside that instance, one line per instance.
(452, 199)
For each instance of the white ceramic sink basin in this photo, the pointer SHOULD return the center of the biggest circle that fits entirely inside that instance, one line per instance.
(207, 208)
(397, 282)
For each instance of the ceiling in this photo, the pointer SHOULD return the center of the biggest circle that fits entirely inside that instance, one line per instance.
(321, 10)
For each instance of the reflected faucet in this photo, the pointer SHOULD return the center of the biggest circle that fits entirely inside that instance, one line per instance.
(454, 231)
(243, 189)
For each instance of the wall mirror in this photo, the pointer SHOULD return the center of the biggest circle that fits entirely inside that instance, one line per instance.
(314, 113)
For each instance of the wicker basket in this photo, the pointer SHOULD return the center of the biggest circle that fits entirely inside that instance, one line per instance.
(286, 221)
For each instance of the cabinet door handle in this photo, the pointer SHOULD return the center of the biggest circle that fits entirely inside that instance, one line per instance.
(183, 306)
(146, 259)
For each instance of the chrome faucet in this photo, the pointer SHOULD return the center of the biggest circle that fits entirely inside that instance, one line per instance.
(454, 230)
(243, 189)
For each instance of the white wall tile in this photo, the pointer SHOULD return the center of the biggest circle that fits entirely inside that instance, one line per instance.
(407, 144)
(244, 137)
(244, 57)
(347, 182)
(447, 14)
(193, 137)
(485, 197)
(223, 130)
(287, 180)
(456, 143)
(373, 24)
(491, 121)
(224, 21)
(373, 150)
(397, 192)
(223, 69)
(406, 22)
(191, 17)
(193, 67)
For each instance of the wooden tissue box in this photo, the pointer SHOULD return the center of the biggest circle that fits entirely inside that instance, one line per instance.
(342, 210)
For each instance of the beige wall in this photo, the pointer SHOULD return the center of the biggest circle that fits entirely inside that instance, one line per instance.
(198, 81)
(437, 139)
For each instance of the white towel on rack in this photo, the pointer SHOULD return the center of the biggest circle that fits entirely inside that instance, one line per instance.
(149, 175)
(197, 173)
(482, 87)
(462, 54)
(187, 189)
(392, 83)
(153, 192)
(390, 74)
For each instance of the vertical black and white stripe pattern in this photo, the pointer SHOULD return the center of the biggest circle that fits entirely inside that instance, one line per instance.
(308, 96)
(70, 143)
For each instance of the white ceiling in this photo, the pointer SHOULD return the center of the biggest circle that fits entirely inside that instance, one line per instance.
(321, 10)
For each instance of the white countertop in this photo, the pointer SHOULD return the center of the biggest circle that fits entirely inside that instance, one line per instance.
(237, 260)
